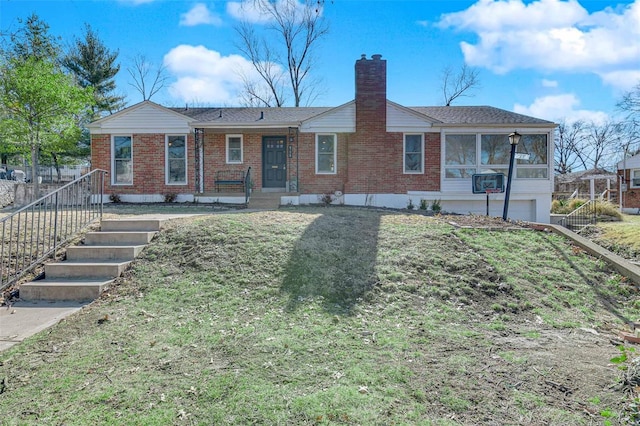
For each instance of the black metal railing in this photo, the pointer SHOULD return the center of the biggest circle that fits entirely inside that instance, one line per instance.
(581, 217)
(37, 230)
(247, 186)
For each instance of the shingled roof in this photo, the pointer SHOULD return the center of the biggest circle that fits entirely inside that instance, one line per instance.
(251, 115)
(477, 115)
(447, 115)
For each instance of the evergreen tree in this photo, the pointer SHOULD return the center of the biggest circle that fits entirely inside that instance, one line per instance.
(94, 65)
(34, 41)
(41, 107)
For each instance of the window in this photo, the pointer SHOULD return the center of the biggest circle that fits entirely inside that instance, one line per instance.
(326, 154)
(234, 149)
(122, 161)
(460, 156)
(176, 159)
(413, 154)
(495, 151)
(533, 150)
(635, 178)
(466, 154)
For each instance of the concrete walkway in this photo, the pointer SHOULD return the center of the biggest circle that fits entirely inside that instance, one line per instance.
(24, 319)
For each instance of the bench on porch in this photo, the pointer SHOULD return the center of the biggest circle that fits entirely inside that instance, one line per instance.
(233, 178)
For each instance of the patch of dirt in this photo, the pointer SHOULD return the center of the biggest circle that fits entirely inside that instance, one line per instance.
(482, 222)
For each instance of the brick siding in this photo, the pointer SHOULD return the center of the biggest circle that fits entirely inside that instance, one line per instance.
(149, 165)
(368, 161)
(631, 197)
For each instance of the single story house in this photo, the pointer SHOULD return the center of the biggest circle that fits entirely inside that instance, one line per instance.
(629, 177)
(367, 152)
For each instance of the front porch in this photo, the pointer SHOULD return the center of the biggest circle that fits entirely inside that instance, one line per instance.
(263, 200)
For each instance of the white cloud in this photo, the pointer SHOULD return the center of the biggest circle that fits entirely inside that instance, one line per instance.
(502, 16)
(205, 76)
(551, 35)
(250, 10)
(549, 83)
(247, 11)
(623, 80)
(560, 108)
(199, 15)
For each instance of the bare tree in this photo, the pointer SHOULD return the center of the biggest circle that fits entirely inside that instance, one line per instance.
(459, 84)
(629, 140)
(630, 135)
(269, 89)
(602, 143)
(630, 102)
(284, 62)
(147, 78)
(569, 141)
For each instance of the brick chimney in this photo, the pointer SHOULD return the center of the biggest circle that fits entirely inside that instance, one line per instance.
(371, 93)
(367, 148)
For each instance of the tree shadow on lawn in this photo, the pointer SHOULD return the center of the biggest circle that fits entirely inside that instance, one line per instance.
(335, 259)
(602, 296)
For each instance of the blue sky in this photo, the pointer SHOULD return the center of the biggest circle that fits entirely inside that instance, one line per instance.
(550, 59)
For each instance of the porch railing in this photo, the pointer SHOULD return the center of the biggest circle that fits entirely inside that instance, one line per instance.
(37, 230)
(581, 217)
(247, 186)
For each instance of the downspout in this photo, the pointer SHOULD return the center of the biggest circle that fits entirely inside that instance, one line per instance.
(199, 152)
(624, 179)
(292, 137)
(297, 161)
(201, 171)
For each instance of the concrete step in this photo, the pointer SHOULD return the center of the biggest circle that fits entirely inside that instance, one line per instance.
(118, 238)
(88, 269)
(150, 225)
(91, 267)
(77, 290)
(87, 252)
(265, 200)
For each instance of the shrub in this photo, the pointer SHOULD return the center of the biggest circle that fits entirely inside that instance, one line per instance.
(575, 203)
(410, 205)
(115, 198)
(605, 208)
(424, 205)
(436, 206)
(326, 199)
(170, 197)
(559, 206)
(566, 206)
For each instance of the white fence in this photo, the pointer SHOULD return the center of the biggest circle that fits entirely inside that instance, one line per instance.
(46, 173)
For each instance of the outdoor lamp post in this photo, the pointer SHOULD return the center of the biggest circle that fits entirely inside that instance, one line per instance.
(514, 139)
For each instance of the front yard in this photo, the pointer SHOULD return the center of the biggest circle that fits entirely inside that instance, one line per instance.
(336, 316)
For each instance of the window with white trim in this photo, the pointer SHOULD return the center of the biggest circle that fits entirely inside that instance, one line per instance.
(460, 156)
(326, 153)
(466, 154)
(635, 178)
(532, 163)
(234, 149)
(176, 159)
(122, 160)
(413, 155)
(495, 151)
